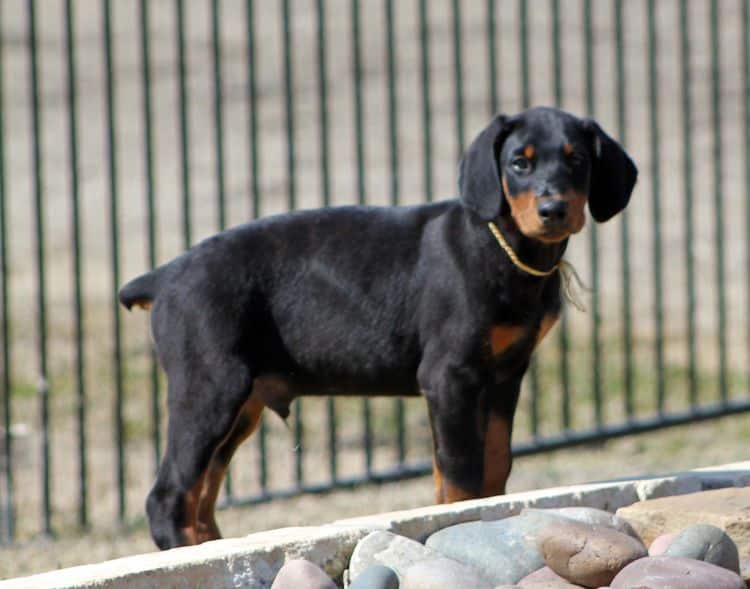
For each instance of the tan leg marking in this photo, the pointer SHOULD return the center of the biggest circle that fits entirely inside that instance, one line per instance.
(437, 477)
(497, 456)
(191, 502)
(245, 424)
(446, 491)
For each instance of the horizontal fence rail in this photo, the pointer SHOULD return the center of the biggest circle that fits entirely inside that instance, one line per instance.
(131, 130)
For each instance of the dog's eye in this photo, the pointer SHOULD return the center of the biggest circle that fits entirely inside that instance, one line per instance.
(576, 159)
(521, 164)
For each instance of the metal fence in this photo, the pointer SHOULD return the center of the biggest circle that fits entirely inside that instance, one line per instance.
(130, 130)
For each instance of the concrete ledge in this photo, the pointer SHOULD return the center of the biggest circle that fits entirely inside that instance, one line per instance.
(253, 561)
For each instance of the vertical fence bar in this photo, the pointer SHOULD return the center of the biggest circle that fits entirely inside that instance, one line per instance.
(292, 201)
(361, 186)
(255, 190)
(221, 204)
(492, 56)
(325, 179)
(148, 155)
(394, 171)
(218, 115)
(8, 519)
(183, 97)
(655, 143)
(596, 356)
(252, 89)
(458, 78)
(627, 306)
(564, 333)
(424, 42)
(746, 138)
(115, 252)
(718, 181)
(77, 266)
(524, 57)
(39, 227)
(687, 174)
(291, 187)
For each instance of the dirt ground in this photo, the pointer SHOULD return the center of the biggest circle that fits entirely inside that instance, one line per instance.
(661, 192)
(694, 446)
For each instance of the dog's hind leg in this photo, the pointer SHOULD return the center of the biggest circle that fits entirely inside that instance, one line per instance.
(244, 425)
(203, 408)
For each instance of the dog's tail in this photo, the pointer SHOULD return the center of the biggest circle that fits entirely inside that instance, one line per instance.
(141, 291)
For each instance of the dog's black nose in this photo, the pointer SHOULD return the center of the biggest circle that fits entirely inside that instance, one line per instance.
(553, 210)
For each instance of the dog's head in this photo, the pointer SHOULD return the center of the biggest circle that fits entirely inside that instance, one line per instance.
(542, 167)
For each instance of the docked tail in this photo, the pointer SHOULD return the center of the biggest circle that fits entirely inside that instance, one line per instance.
(141, 291)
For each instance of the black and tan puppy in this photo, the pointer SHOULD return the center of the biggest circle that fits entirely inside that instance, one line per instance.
(377, 301)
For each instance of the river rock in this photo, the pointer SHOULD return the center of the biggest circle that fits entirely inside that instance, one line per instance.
(661, 543)
(443, 573)
(545, 577)
(376, 576)
(590, 515)
(728, 509)
(302, 574)
(675, 572)
(588, 555)
(391, 550)
(707, 543)
(505, 550)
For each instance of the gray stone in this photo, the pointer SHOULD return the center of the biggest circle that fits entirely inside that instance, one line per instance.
(443, 573)
(675, 572)
(707, 543)
(585, 554)
(302, 574)
(376, 576)
(504, 549)
(589, 515)
(388, 549)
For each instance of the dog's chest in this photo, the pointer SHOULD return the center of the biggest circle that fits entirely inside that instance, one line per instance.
(503, 338)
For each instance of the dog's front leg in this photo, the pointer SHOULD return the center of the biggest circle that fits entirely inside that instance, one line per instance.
(452, 400)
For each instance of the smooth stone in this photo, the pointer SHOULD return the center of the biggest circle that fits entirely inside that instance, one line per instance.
(376, 576)
(728, 509)
(443, 573)
(505, 550)
(707, 543)
(302, 574)
(585, 554)
(394, 551)
(545, 577)
(675, 572)
(661, 543)
(593, 516)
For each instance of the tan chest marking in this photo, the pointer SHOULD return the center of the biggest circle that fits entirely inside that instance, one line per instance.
(497, 456)
(504, 336)
(548, 322)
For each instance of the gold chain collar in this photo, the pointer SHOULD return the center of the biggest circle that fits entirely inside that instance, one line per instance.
(514, 257)
(567, 272)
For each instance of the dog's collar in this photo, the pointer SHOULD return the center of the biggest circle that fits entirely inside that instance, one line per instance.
(515, 259)
(567, 272)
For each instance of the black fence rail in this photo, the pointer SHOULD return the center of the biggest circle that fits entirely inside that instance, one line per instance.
(130, 130)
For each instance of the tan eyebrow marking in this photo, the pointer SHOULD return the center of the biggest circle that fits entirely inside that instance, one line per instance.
(568, 149)
(529, 151)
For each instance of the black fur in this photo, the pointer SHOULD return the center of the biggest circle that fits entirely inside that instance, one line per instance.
(362, 300)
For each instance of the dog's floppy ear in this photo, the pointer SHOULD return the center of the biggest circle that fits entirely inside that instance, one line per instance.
(478, 173)
(613, 174)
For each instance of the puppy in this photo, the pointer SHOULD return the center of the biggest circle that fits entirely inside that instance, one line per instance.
(447, 300)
